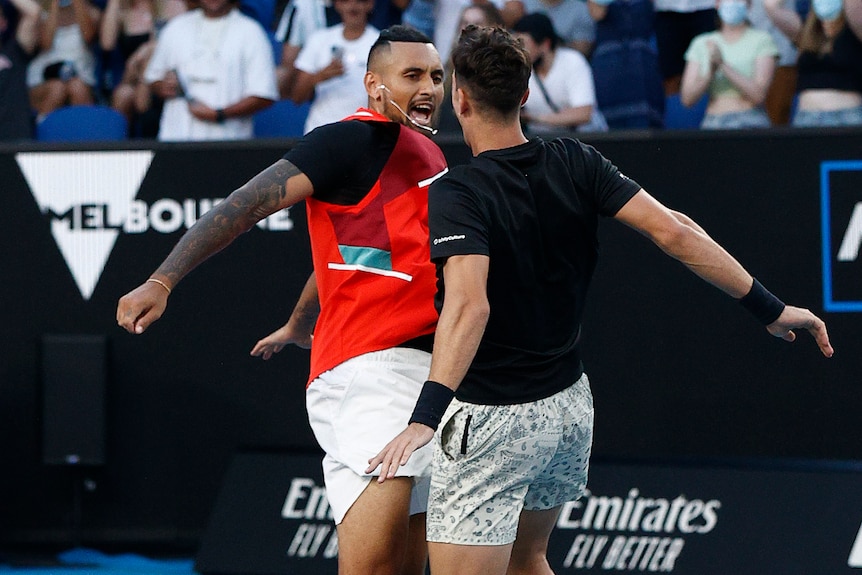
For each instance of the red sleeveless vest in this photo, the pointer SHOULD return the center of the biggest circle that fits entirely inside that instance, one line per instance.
(372, 261)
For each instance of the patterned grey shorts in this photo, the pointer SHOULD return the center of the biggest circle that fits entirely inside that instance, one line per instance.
(492, 461)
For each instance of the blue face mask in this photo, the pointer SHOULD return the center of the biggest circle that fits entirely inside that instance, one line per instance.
(733, 12)
(827, 9)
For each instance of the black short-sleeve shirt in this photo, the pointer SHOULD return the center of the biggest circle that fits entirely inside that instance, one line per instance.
(343, 160)
(533, 209)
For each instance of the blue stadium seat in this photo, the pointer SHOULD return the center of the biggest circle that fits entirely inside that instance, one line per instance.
(276, 48)
(678, 117)
(283, 119)
(82, 124)
(261, 10)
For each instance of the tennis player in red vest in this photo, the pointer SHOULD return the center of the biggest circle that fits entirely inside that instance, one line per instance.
(365, 183)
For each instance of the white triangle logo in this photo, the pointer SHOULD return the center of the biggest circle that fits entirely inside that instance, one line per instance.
(855, 559)
(87, 196)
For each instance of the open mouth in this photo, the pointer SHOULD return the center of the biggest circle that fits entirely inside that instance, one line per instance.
(422, 112)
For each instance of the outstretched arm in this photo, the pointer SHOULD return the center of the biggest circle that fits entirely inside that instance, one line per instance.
(277, 187)
(679, 237)
(299, 328)
(459, 330)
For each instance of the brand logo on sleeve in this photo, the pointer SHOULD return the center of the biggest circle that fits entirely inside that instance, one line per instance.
(444, 239)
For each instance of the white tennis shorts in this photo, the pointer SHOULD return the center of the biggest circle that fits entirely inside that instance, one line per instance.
(358, 407)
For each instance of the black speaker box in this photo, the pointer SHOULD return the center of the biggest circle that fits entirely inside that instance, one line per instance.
(74, 373)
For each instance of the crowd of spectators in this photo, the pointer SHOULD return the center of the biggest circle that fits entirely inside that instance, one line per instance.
(202, 69)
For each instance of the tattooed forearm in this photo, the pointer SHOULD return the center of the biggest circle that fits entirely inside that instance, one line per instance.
(263, 195)
(266, 192)
(307, 309)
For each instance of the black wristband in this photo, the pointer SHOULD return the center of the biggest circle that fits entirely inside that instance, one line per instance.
(220, 117)
(432, 403)
(762, 304)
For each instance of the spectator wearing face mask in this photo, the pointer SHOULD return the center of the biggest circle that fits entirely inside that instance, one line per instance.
(829, 68)
(735, 64)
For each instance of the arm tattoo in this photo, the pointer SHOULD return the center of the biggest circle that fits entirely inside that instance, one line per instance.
(305, 317)
(263, 195)
(307, 309)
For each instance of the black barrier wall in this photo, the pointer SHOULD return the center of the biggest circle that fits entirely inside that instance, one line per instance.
(271, 517)
(677, 369)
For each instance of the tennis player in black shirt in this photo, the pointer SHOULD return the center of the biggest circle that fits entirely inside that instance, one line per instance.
(513, 234)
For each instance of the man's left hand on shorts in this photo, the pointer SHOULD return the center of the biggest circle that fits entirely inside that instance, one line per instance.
(398, 451)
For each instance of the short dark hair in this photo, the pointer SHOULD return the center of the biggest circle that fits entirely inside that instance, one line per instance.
(493, 67)
(539, 27)
(396, 33)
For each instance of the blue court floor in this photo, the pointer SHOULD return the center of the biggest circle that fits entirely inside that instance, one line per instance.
(83, 561)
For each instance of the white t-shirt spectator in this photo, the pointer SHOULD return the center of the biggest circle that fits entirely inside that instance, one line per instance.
(338, 97)
(569, 84)
(219, 61)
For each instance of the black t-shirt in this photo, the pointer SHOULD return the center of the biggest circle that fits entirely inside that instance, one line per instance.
(533, 209)
(343, 160)
(839, 69)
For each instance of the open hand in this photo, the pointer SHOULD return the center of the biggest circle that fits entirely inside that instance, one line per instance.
(398, 451)
(797, 318)
(275, 342)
